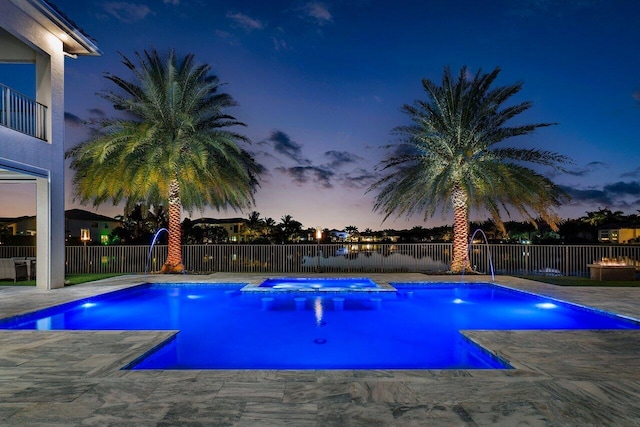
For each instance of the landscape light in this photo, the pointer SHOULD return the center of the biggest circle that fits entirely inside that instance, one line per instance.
(85, 235)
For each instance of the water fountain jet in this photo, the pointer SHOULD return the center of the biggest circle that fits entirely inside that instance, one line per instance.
(466, 260)
(153, 242)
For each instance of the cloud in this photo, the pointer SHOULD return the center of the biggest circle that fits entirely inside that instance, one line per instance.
(633, 174)
(326, 175)
(588, 196)
(127, 12)
(636, 95)
(340, 158)
(588, 168)
(173, 2)
(614, 195)
(279, 44)
(359, 179)
(73, 120)
(283, 144)
(622, 188)
(245, 21)
(579, 171)
(303, 174)
(318, 12)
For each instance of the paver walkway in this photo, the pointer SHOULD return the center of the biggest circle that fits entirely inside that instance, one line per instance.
(563, 378)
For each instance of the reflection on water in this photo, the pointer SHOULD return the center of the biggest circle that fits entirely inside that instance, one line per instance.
(318, 310)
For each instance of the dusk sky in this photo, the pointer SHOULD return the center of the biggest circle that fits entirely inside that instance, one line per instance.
(320, 86)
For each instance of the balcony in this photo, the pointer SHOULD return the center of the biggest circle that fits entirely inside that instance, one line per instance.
(21, 113)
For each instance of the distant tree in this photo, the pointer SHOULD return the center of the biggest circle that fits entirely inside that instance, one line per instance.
(271, 229)
(575, 231)
(603, 216)
(256, 225)
(288, 227)
(487, 227)
(171, 146)
(191, 234)
(452, 158)
(138, 225)
(519, 231)
(353, 232)
(215, 234)
(5, 234)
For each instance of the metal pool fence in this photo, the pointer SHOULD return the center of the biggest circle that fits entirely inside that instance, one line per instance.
(566, 260)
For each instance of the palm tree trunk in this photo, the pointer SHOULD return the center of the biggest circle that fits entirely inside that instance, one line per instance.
(173, 264)
(460, 231)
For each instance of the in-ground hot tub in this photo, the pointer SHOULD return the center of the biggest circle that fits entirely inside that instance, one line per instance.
(323, 284)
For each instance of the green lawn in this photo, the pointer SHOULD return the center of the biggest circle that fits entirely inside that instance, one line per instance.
(581, 281)
(72, 279)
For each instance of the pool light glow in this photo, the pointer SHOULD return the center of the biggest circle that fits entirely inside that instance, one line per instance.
(546, 305)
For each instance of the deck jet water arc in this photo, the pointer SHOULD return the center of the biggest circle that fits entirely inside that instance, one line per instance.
(153, 242)
(486, 241)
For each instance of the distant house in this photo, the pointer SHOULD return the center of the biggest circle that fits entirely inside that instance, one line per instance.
(98, 227)
(378, 237)
(338, 235)
(619, 234)
(22, 226)
(236, 228)
(35, 33)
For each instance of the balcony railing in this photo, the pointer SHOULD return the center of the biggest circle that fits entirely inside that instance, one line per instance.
(21, 113)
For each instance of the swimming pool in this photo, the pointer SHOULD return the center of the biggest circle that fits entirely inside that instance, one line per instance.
(417, 327)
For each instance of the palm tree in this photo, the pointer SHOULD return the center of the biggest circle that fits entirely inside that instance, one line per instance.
(354, 234)
(172, 145)
(139, 224)
(288, 228)
(452, 159)
(256, 225)
(603, 216)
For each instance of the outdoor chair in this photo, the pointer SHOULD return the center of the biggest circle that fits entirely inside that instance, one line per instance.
(9, 269)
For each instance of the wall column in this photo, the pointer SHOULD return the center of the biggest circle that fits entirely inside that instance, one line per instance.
(50, 253)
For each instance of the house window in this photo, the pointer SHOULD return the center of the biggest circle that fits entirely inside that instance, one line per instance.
(106, 225)
(608, 236)
(614, 236)
(94, 225)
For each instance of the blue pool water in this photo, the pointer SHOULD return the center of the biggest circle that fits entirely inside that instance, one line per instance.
(220, 327)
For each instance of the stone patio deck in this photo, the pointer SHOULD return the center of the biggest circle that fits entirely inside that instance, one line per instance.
(564, 378)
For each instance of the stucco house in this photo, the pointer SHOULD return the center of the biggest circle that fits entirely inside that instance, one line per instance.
(236, 228)
(619, 234)
(32, 130)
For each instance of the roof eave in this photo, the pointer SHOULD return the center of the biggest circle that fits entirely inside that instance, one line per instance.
(77, 43)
